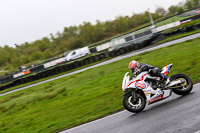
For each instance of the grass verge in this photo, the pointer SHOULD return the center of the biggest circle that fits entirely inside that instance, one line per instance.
(89, 95)
(178, 36)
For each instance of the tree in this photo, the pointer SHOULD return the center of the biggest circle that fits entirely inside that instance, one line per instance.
(180, 10)
(188, 4)
(195, 3)
(161, 11)
(15, 62)
(47, 53)
(71, 31)
(25, 59)
(87, 33)
(36, 55)
(172, 9)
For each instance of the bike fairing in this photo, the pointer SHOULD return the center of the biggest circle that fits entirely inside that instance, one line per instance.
(138, 79)
(152, 98)
(143, 90)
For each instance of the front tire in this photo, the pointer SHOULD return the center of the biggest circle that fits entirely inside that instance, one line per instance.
(136, 107)
(186, 87)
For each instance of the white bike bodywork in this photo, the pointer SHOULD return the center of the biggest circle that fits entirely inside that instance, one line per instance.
(148, 89)
(139, 83)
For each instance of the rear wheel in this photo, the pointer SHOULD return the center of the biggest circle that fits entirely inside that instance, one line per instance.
(185, 87)
(132, 106)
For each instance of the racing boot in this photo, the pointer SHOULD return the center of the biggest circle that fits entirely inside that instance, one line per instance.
(166, 79)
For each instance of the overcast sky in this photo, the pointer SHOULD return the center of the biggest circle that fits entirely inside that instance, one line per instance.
(29, 20)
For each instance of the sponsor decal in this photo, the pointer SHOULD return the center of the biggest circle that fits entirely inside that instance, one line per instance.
(156, 99)
(140, 85)
(138, 79)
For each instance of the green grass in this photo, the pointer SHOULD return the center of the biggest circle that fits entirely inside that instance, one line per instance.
(178, 36)
(89, 95)
(171, 20)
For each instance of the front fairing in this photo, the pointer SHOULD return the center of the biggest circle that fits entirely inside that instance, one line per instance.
(125, 81)
(137, 82)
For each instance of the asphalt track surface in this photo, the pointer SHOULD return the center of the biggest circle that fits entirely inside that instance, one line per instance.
(146, 49)
(176, 114)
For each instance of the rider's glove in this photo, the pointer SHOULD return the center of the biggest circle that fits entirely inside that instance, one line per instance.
(137, 71)
(150, 70)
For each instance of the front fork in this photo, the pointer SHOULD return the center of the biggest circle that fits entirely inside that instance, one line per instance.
(133, 93)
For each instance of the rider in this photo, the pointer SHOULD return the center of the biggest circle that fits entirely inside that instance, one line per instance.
(137, 68)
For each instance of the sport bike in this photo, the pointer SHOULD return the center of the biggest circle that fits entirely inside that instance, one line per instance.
(146, 89)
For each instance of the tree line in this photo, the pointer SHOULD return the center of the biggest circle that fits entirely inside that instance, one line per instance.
(73, 37)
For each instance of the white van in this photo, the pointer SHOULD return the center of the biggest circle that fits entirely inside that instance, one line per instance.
(77, 53)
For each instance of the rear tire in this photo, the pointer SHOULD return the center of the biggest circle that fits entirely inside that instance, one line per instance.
(187, 86)
(134, 107)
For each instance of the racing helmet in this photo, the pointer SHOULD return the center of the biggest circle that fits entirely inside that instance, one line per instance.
(133, 65)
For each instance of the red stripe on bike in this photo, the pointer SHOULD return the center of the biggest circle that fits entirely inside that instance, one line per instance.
(166, 71)
(138, 79)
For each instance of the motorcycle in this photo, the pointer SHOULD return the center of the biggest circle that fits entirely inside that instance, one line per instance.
(146, 89)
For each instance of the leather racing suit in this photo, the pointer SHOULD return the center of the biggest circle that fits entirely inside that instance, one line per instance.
(153, 71)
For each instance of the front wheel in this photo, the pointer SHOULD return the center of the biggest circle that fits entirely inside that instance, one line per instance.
(132, 106)
(184, 88)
